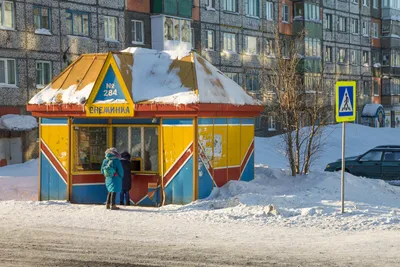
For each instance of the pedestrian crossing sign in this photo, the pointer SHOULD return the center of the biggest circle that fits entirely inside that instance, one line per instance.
(345, 101)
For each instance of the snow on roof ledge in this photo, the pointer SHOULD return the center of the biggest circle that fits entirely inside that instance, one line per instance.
(370, 110)
(12, 122)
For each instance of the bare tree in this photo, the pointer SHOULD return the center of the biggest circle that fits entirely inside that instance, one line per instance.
(296, 99)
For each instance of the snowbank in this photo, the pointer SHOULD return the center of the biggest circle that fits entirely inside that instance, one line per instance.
(276, 198)
(19, 181)
(14, 122)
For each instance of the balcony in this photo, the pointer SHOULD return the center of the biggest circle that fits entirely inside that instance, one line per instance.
(169, 33)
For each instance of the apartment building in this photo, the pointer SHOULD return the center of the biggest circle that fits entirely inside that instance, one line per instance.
(390, 72)
(347, 39)
(38, 38)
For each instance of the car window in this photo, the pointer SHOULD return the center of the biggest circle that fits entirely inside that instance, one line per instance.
(392, 156)
(372, 156)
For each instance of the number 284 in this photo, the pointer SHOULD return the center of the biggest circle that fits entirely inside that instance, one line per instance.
(110, 92)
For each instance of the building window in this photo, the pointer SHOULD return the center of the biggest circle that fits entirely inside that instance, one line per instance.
(230, 5)
(285, 49)
(365, 57)
(342, 55)
(252, 83)
(354, 57)
(376, 57)
(186, 31)
(270, 48)
(365, 28)
(251, 45)
(328, 54)
(366, 90)
(328, 21)
(375, 32)
(177, 30)
(395, 59)
(375, 3)
(253, 8)
(376, 88)
(298, 10)
(137, 32)
(385, 59)
(141, 143)
(43, 73)
(354, 26)
(269, 11)
(271, 123)
(365, 2)
(285, 13)
(210, 3)
(192, 38)
(210, 40)
(311, 12)
(41, 17)
(230, 42)
(312, 47)
(354, 1)
(7, 71)
(233, 76)
(342, 24)
(78, 23)
(110, 28)
(7, 14)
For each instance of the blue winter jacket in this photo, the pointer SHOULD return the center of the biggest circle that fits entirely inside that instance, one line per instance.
(113, 184)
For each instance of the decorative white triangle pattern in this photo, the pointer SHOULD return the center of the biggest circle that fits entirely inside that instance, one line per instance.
(346, 106)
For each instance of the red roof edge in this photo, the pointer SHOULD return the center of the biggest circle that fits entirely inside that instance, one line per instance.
(156, 110)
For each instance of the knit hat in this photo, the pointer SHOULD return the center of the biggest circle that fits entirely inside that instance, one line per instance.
(126, 155)
(113, 151)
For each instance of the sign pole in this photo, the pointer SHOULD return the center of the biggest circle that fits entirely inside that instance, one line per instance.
(346, 110)
(343, 161)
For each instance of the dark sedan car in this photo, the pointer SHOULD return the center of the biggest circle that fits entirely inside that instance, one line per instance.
(382, 162)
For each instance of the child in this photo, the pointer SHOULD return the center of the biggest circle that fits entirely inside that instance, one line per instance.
(113, 173)
(126, 180)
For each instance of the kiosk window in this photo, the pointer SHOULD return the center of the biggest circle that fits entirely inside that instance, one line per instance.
(136, 142)
(141, 142)
(151, 149)
(120, 137)
(90, 144)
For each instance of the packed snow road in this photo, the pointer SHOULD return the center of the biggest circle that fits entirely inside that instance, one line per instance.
(60, 234)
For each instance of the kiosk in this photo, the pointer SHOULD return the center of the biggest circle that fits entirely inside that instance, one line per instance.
(188, 127)
(373, 115)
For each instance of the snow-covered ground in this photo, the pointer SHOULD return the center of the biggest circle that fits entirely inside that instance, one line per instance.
(275, 219)
(19, 181)
(274, 197)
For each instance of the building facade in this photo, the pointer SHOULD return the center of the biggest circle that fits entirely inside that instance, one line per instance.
(343, 39)
(39, 38)
(346, 39)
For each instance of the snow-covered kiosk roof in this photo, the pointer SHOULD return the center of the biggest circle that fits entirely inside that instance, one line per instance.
(371, 110)
(139, 81)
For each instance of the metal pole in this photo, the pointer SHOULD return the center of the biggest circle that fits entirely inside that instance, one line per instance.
(343, 161)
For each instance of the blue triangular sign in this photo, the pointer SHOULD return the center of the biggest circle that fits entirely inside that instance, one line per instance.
(110, 90)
